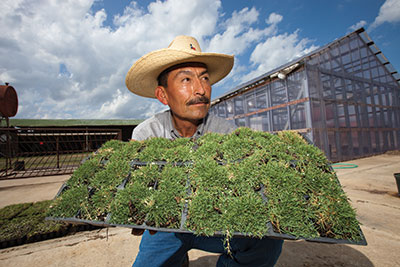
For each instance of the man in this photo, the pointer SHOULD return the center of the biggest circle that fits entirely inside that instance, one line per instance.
(181, 76)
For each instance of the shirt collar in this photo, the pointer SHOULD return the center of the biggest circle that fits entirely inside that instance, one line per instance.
(175, 134)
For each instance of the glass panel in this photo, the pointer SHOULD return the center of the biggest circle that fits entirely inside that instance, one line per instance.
(213, 110)
(374, 72)
(383, 96)
(332, 145)
(371, 117)
(239, 105)
(298, 117)
(295, 86)
(345, 144)
(349, 89)
(325, 61)
(339, 88)
(261, 90)
(256, 122)
(261, 101)
(265, 121)
(250, 104)
(313, 83)
(366, 142)
(240, 122)
(353, 43)
(316, 114)
(336, 64)
(344, 47)
(278, 93)
(334, 51)
(374, 144)
(221, 109)
(355, 56)
(313, 60)
(386, 121)
(229, 108)
(372, 61)
(279, 118)
(326, 86)
(352, 115)
(363, 52)
(346, 59)
(330, 115)
(341, 115)
(355, 142)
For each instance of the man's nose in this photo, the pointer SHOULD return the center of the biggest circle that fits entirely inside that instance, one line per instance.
(199, 87)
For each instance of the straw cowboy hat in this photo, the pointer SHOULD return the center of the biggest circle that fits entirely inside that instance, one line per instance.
(142, 76)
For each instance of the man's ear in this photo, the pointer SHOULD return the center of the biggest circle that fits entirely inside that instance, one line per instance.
(161, 95)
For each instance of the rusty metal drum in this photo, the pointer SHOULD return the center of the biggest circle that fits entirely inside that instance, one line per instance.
(8, 101)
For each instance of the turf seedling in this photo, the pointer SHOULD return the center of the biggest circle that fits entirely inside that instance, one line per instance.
(238, 145)
(69, 202)
(25, 221)
(204, 212)
(98, 205)
(208, 146)
(169, 198)
(83, 175)
(132, 204)
(180, 151)
(115, 172)
(153, 149)
(238, 183)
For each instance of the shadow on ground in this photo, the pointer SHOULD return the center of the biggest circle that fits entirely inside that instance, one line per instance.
(204, 261)
(302, 253)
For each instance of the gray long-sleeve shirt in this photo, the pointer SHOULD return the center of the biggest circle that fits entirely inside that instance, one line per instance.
(160, 125)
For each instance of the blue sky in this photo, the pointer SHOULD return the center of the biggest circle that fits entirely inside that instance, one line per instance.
(68, 59)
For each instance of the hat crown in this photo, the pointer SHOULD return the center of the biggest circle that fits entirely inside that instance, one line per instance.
(183, 42)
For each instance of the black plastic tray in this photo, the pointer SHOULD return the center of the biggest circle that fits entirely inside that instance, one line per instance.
(270, 230)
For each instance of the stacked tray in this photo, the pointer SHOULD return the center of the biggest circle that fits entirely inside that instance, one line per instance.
(247, 183)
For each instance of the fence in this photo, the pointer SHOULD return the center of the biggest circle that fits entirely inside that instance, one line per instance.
(29, 152)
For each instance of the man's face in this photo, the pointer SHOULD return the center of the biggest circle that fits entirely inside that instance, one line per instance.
(187, 93)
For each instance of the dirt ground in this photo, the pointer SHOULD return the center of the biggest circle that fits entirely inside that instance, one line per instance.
(371, 188)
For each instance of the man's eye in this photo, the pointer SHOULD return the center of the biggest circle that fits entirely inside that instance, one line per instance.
(185, 79)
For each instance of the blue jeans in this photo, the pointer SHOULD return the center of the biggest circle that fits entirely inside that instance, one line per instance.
(169, 249)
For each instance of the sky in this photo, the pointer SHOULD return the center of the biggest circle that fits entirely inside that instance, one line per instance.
(67, 59)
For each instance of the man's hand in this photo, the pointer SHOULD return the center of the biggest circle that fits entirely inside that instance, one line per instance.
(139, 232)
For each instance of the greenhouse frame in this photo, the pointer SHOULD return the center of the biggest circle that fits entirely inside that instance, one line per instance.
(345, 97)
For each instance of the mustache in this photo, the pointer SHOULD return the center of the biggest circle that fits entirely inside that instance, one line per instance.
(198, 100)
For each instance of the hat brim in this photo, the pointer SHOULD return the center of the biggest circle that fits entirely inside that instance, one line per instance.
(142, 76)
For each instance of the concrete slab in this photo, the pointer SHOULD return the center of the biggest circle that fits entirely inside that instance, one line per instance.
(15, 191)
(370, 187)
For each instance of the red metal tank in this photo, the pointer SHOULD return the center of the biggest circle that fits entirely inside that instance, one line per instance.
(8, 101)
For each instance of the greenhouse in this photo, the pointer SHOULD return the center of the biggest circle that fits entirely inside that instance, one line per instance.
(344, 97)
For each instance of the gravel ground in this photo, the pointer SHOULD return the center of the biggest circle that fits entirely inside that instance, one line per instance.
(371, 188)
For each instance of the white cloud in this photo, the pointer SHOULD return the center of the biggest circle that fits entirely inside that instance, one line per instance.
(275, 51)
(389, 12)
(274, 18)
(358, 25)
(65, 62)
(238, 34)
